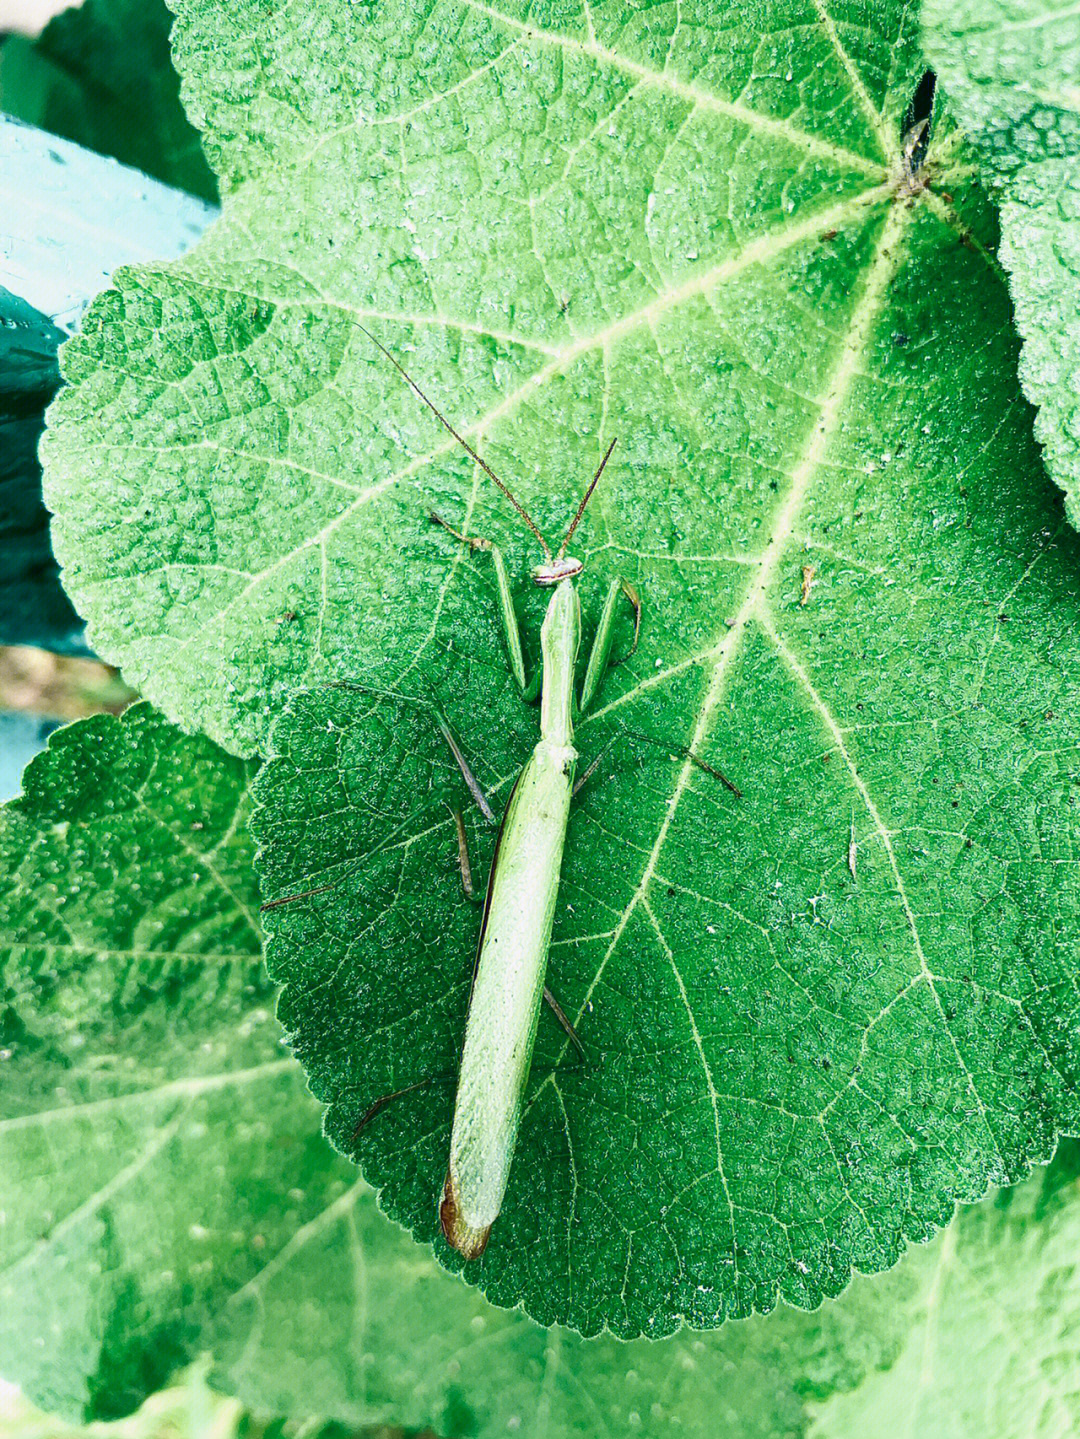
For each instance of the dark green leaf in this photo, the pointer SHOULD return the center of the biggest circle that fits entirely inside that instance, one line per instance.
(100, 74)
(164, 1192)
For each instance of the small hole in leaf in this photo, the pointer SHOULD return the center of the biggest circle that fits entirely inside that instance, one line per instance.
(919, 111)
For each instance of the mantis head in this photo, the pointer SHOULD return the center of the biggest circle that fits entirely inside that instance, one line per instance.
(554, 571)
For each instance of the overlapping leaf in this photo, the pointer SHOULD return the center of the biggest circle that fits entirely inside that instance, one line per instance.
(165, 1191)
(819, 1014)
(204, 1214)
(993, 1329)
(138, 1047)
(240, 479)
(1012, 71)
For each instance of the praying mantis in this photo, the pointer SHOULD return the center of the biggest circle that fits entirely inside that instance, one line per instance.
(523, 885)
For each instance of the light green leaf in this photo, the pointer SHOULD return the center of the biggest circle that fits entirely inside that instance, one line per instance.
(165, 1192)
(992, 1331)
(138, 1047)
(563, 236)
(573, 224)
(100, 74)
(1012, 72)
(973, 1333)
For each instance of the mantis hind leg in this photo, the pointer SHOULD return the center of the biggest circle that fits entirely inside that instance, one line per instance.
(600, 653)
(508, 617)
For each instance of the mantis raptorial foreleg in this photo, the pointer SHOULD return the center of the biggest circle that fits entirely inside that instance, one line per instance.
(599, 654)
(507, 614)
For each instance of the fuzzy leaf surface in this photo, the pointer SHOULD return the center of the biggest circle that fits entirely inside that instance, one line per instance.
(1012, 72)
(139, 1052)
(992, 1325)
(980, 1325)
(860, 605)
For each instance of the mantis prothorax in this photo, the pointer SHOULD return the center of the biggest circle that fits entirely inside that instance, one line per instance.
(519, 910)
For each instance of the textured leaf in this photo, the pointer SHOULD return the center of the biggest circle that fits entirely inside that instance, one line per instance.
(1012, 69)
(974, 1333)
(643, 229)
(100, 74)
(21, 737)
(137, 1047)
(164, 1189)
(260, 451)
(1012, 76)
(165, 1193)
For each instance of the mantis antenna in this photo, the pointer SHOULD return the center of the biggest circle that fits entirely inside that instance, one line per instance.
(522, 511)
(586, 497)
(554, 569)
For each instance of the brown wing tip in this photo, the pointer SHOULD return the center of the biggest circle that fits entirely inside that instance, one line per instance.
(468, 1241)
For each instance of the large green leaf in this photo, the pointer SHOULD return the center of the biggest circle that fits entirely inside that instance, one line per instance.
(164, 1192)
(1012, 71)
(974, 1333)
(563, 235)
(858, 603)
(100, 74)
(138, 1047)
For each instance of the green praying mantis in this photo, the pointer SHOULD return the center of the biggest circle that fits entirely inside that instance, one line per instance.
(523, 885)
